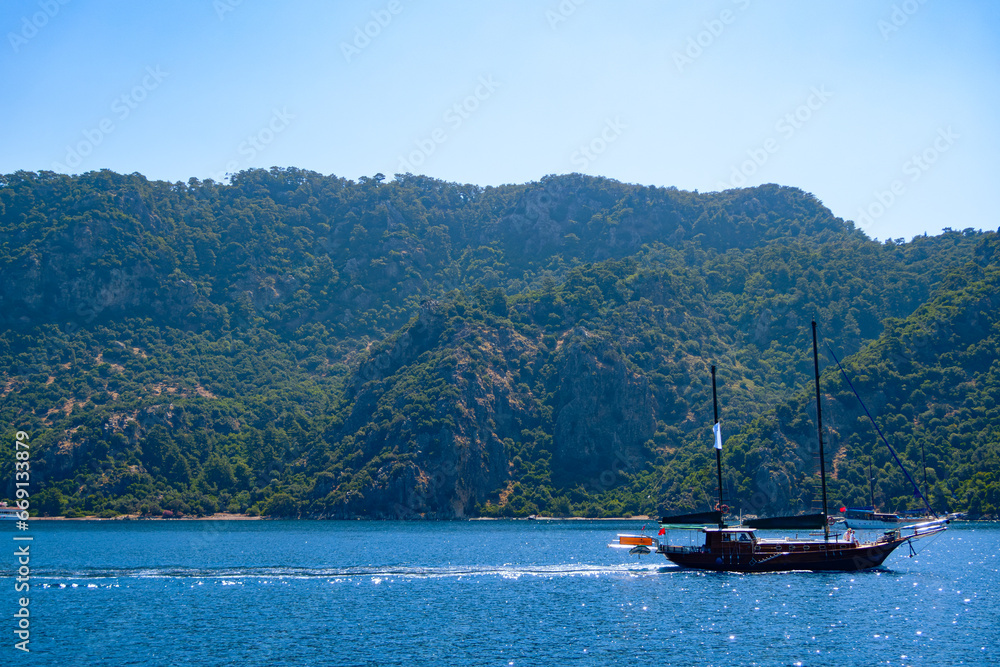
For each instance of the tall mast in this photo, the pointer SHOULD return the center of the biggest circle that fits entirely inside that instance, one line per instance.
(819, 429)
(718, 452)
(871, 482)
(927, 489)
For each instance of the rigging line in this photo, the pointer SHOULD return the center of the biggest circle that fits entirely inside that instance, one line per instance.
(933, 537)
(914, 551)
(879, 431)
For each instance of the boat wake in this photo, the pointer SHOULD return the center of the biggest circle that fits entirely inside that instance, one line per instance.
(380, 573)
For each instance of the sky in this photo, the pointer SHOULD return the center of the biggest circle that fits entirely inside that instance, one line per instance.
(885, 110)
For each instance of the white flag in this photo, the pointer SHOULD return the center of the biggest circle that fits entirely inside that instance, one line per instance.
(718, 435)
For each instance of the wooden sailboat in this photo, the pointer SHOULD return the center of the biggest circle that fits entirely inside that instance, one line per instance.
(869, 518)
(739, 549)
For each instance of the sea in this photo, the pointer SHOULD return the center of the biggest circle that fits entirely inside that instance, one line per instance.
(472, 593)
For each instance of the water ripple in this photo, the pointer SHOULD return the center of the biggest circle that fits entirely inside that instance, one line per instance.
(401, 572)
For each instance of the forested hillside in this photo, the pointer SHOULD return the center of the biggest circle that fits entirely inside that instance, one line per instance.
(303, 345)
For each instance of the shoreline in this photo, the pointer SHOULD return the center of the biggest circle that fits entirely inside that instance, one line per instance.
(639, 517)
(226, 516)
(219, 516)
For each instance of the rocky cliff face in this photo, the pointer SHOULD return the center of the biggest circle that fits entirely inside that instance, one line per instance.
(604, 412)
(440, 446)
(431, 409)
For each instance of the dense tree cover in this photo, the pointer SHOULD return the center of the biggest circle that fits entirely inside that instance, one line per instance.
(295, 344)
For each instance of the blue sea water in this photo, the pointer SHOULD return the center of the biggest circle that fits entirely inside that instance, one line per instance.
(475, 593)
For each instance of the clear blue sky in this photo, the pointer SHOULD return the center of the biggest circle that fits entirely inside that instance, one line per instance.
(886, 110)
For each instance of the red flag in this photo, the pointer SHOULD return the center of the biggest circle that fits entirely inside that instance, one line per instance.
(843, 509)
(663, 531)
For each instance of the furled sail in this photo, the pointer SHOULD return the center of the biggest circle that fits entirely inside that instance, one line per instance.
(789, 522)
(693, 519)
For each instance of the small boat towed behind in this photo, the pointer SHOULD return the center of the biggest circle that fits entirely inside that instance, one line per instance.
(637, 545)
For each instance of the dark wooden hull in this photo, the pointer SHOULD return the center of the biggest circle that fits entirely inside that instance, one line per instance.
(783, 557)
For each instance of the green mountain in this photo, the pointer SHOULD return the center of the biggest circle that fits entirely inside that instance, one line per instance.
(296, 344)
